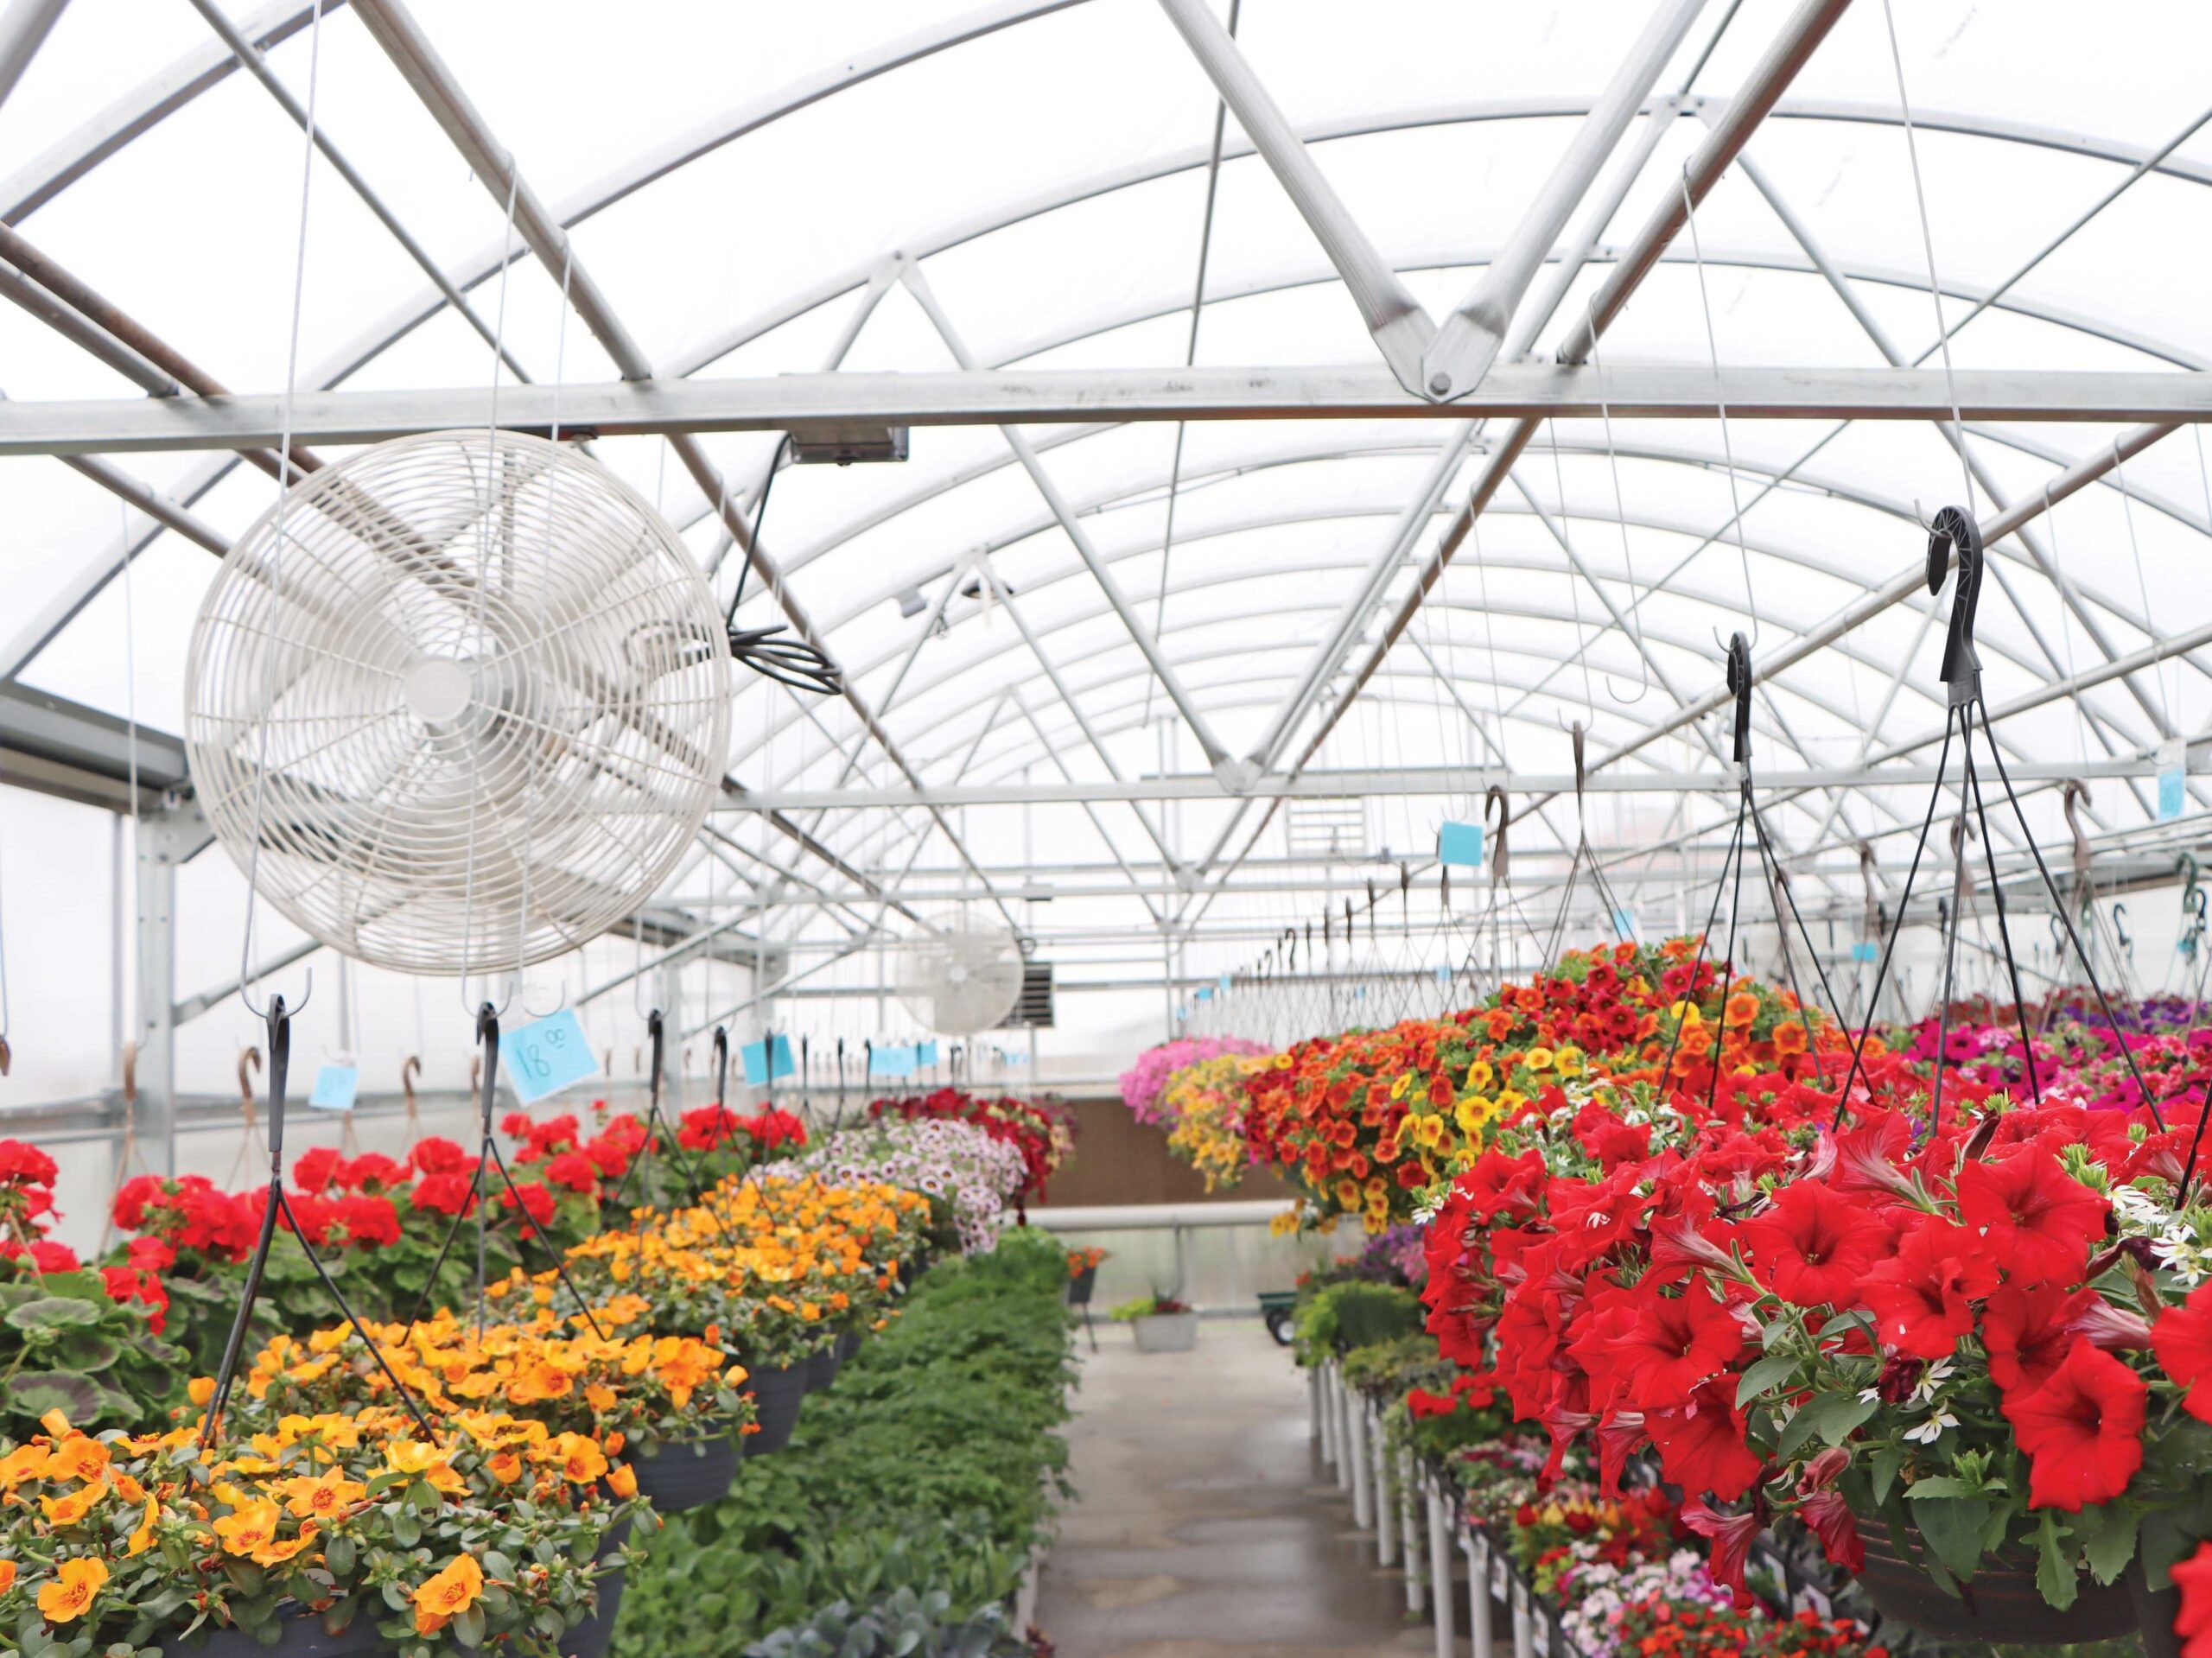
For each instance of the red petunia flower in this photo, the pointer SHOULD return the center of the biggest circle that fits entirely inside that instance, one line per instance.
(1731, 1535)
(2039, 1220)
(1702, 1445)
(2082, 1429)
(1670, 1344)
(2025, 1332)
(1815, 1246)
(2183, 1340)
(1921, 1296)
(2193, 1577)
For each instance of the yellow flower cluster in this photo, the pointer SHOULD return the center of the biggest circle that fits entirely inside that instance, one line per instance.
(1206, 1103)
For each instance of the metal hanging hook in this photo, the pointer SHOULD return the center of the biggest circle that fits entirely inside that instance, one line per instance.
(1496, 798)
(2074, 796)
(2119, 928)
(245, 987)
(249, 1059)
(560, 1002)
(1739, 650)
(721, 1065)
(1955, 531)
(1873, 919)
(1962, 830)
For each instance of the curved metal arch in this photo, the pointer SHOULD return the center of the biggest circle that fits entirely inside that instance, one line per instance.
(1074, 571)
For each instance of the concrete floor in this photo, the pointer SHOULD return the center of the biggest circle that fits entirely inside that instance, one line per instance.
(1205, 1523)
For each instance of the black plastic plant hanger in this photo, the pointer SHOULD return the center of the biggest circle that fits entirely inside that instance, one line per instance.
(1583, 854)
(1740, 681)
(279, 1022)
(489, 1159)
(1956, 535)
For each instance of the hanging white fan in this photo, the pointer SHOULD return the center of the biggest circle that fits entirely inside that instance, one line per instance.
(473, 704)
(963, 974)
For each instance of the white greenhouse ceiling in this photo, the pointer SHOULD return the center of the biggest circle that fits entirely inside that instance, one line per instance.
(1232, 559)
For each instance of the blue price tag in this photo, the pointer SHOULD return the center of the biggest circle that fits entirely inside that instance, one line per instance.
(1359, 993)
(1443, 974)
(925, 1054)
(1865, 951)
(761, 1066)
(2173, 774)
(1224, 984)
(546, 1056)
(334, 1087)
(1205, 993)
(1625, 925)
(1459, 843)
(892, 1062)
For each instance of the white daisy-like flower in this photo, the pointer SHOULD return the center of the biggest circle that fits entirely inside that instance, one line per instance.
(1932, 1429)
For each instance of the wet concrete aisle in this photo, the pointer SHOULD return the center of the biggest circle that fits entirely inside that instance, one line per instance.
(1205, 1523)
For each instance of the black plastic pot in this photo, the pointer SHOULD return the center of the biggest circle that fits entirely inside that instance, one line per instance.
(2001, 1604)
(1081, 1285)
(592, 1637)
(303, 1637)
(848, 1345)
(777, 1395)
(821, 1367)
(687, 1473)
(2155, 1614)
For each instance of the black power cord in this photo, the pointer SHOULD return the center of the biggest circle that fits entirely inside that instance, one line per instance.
(790, 662)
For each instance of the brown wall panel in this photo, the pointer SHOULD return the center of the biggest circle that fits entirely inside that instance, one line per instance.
(1120, 1160)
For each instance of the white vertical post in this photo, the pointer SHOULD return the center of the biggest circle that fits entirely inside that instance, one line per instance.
(1386, 1507)
(1477, 1548)
(1362, 1506)
(1524, 1629)
(1440, 1570)
(1327, 1384)
(1344, 1426)
(1313, 1404)
(1406, 1483)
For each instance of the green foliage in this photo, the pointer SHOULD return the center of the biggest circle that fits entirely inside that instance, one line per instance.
(1354, 1313)
(905, 1625)
(66, 1346)
(925, 1468)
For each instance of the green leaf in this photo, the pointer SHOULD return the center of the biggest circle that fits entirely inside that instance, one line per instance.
(36, 1392)
(1833, 1416)
(1763, 1376)
(468, 1626)
(53, 1313)
(1952, 1526)
(1938, 1485)
(1888, 1461)
(2109, 1538)
(2055, 1578)
(85, 1350)
(339, 1554)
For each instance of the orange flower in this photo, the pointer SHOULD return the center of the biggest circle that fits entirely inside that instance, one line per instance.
(578, 1457)
(68, 1510)
(143, 1538)
(7, 1576)
(453, 1590)
(544, 1380)
(622, 1480)
(70, 1595)
(77, 1457)
(321, 1499)
(1790, 1038)
(22, 1465)
(1741, 1008)
(505, 1466)
(249, 1528)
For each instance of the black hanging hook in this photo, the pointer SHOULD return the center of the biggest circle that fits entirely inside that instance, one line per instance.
(722, 1066)
(1739, 686)
(1497, 798)
(1955, 530)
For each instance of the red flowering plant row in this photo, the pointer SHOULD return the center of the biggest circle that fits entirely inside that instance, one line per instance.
(1043, 1133)
(1985, 1334)
(378, 1223)
(1376, 1122)
(2160, 1047)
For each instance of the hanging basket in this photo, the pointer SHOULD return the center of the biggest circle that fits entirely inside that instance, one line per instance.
(848, 1345)
(687, 1473)
(2154, 1613)
(1081, 1285)
(592, 1637)
(821, 1366)
(303, 1636)
(777, 1395)
(2000, 1605)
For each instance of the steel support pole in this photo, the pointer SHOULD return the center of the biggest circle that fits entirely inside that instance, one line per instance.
(1386, 1507)
(1524, 1623)
(1408, 1489)
(1327, 1399)
(1441, 1606)
(166, 840)
(1477, 1548)
(23, 30)
(1402, 328)
(1363, 1492)
(1467, 342)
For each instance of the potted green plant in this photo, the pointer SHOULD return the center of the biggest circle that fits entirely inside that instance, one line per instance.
(1161, 1324)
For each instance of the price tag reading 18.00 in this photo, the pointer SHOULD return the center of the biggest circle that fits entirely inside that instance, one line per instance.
(547, 1056)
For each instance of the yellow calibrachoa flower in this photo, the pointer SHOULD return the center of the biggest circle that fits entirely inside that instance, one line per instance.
(1398, 1087)
(1537, 1058)
(1480, 1075)
(1569, 1061)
